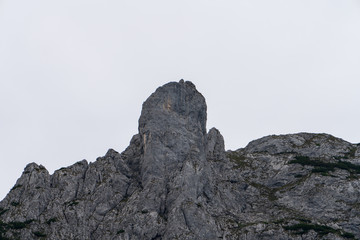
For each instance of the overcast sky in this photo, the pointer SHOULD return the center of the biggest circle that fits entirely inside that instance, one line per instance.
(74, 73)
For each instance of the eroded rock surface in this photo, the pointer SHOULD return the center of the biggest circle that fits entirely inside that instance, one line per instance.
(175, 181)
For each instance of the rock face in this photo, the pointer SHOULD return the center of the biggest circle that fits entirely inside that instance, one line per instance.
(175, 181)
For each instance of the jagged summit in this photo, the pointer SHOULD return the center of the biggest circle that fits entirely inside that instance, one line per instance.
(175, 181)
(172, 105)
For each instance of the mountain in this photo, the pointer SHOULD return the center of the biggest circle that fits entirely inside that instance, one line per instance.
(176, 181)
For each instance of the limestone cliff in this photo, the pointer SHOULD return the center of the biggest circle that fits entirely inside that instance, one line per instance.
(175, 181)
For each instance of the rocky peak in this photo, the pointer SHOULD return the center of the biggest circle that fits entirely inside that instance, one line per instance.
(175, 181)
(172, 128)
(174, 105)
(215, 145)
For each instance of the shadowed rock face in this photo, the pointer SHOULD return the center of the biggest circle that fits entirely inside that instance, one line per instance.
(175, 181)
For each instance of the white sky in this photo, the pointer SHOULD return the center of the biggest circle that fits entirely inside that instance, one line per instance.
(74, 73)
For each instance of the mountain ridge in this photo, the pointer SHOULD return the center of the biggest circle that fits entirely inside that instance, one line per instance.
(176, 181)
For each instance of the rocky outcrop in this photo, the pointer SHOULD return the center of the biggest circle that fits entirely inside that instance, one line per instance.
(175, 181)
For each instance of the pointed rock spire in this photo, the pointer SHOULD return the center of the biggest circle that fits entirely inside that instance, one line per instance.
(174, 105)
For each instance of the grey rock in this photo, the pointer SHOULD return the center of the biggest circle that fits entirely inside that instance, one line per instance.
(176, 181)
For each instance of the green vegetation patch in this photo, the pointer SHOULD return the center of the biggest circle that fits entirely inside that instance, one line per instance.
(3, 228)
(125, 199)
(264, 190)
(348, 235)
(322, 230)
(3, 210)
(120, 231)
(51, 220)
(323, 167)
(15, 225)
(39, 234)
(72, 203)
(238, 159)
(302, 228)
(14, 203)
